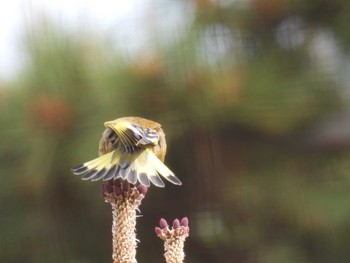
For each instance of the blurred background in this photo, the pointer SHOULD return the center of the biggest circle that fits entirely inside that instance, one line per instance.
(252, 94)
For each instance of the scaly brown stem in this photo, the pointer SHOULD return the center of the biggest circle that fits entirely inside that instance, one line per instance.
(124, 207)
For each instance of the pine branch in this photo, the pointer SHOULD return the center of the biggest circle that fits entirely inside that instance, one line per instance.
(174, 239)
(125, 200)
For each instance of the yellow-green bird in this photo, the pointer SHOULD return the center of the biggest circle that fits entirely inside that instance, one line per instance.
(133, 149)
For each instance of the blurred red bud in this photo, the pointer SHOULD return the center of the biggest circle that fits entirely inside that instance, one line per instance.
(111, 182)
(142, 189)
(157, 230)
(126, 186)
(163, 223)
(176, 223)
(184, 222)
(51, 113)
(117, 190)
(108, 188)
(117, 182)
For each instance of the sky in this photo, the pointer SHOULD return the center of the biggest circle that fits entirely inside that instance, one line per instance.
(15, 14)
(135, 22)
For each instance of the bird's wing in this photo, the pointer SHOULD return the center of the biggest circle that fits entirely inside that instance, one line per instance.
(104, 166)
(142, 166)
(133, 135)
(148, 168)
(149, 137)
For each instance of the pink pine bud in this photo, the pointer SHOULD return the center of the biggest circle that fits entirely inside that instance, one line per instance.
(176, 223)
(142, 189)
(126, 186)
(163, 223)
(117, 182)
(157, 230)
(184, 222)
(117, 190)
(106, 188)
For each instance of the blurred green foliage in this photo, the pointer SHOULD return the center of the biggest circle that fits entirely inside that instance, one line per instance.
(240, 93)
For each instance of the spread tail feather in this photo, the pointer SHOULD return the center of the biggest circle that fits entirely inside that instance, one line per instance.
(142, 166)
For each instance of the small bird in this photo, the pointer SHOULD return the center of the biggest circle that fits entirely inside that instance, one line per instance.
(133, 149)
